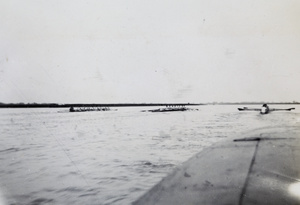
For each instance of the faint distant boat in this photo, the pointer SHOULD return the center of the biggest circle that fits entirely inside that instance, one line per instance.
(87, 109)
(170, 109)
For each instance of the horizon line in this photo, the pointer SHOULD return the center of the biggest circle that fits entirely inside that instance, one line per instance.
(57, 105)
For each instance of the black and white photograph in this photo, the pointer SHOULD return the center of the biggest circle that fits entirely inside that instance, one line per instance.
(147, 102)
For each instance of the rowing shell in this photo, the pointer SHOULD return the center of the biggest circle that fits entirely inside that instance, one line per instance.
(263, 110)
(261, 168)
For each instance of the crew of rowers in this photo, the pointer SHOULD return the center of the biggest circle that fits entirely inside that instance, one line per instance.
(175, 105)
(84, 109)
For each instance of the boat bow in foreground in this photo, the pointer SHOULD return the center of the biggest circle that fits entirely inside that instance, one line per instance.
(259, 168)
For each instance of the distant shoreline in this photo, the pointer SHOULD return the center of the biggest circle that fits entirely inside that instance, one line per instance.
(56, 105)
(255, 103)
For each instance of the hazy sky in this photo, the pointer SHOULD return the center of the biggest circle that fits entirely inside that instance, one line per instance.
(111, 51)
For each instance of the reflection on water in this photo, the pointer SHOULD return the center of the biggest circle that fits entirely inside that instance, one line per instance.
(49, 156)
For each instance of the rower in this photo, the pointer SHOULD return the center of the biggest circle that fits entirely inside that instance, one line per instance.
(265, 109)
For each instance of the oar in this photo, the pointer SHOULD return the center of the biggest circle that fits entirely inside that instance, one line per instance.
(288, 109)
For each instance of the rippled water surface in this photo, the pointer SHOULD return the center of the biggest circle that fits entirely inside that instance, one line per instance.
(51, 156)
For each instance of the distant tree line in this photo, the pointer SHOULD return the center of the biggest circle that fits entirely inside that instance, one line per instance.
(253, 103)
(55, 105)
(28, 105)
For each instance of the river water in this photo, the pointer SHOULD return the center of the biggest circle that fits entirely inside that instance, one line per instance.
(51, 156)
